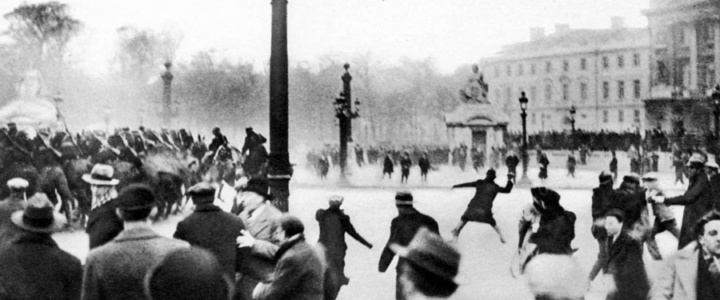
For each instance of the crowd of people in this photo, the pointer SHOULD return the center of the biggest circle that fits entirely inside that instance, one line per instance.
(256, 251)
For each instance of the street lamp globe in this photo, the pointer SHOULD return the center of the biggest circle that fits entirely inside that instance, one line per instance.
(523, 101)
(572, 110)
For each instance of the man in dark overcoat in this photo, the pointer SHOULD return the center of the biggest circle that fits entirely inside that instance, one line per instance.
(601, 204)
(334, 223)
(117, 269)
(424, 164)
(103, 224)
(512, 161)
(622, 259)
(480, 207)
(211, 228)
(697, 199)
(402, 230)
(33, 266)
(299, 268)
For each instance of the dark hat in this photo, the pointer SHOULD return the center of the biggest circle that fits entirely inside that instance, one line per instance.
(651, 176)
(258, 186)
(429, 252)
(605, 177)
(188, 273)
(632, 178)
(546, 195)
(490, 173)
(38, 216)
(136, 196)
(202, 192)
(403, 198)
(248, 129)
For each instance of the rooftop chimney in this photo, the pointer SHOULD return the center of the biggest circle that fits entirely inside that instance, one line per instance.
(617, 23)
(562, 28)
(537, 33)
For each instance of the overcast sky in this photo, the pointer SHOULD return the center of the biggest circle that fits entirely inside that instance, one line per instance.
(452, 32)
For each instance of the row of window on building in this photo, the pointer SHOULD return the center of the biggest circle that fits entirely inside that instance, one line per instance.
(605, 117)
(583, 86)
(583, 65)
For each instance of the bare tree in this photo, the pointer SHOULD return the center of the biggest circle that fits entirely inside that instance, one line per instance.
(43, 29)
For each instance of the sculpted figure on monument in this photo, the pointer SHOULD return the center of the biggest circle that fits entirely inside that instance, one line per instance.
(475, 90)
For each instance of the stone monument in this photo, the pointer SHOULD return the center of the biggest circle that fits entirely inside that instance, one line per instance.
(30, 109)
(476, 122)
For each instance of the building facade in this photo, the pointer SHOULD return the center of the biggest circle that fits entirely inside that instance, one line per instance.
(604, 74)
(685, 64)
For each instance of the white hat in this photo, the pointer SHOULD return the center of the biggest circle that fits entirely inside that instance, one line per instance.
(101, 175)
(712, 164)
(17, 183)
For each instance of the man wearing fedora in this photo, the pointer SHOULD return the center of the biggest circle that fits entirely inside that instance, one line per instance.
(211, 228)
(430, 268)
(258, 215)
(103, 224)
(33, 266)
(480, 207)
(334, 223)
(697, 199)
(402, 229)
(117, 269)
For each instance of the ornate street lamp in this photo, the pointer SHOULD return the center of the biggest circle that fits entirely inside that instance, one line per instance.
(345, 113)
(524, 181)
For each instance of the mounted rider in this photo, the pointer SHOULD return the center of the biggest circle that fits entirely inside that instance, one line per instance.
(220, 147)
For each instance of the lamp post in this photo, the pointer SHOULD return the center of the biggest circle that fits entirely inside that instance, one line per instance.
(572, 124)
(167, 78)
(716, 103)
(524, 181)
(279, 169)
(344, 112)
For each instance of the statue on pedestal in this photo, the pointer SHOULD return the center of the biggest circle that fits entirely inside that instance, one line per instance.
(475, 90)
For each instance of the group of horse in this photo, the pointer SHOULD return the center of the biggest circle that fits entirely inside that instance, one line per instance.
(168, 161)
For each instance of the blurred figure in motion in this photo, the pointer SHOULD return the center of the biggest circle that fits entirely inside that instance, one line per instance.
(430, 268)
(334, 223)
(480, 207)
(556, 277)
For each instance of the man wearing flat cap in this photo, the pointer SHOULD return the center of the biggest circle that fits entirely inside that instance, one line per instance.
(334, 223)
(33, 266)
(117, 269)
(430, 268)
(210, 227)
(402, 229)
(697, 199)
(480, 207)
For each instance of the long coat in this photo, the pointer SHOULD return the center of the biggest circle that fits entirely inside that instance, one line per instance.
(697, 201)
(35, 268)
(679, 276)
(334, 223)
(402, 230)
(556, 232)
(480, 207)
(211, 228)
(103, 224)
(117, 269)
(625, 263)
(299, 273)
